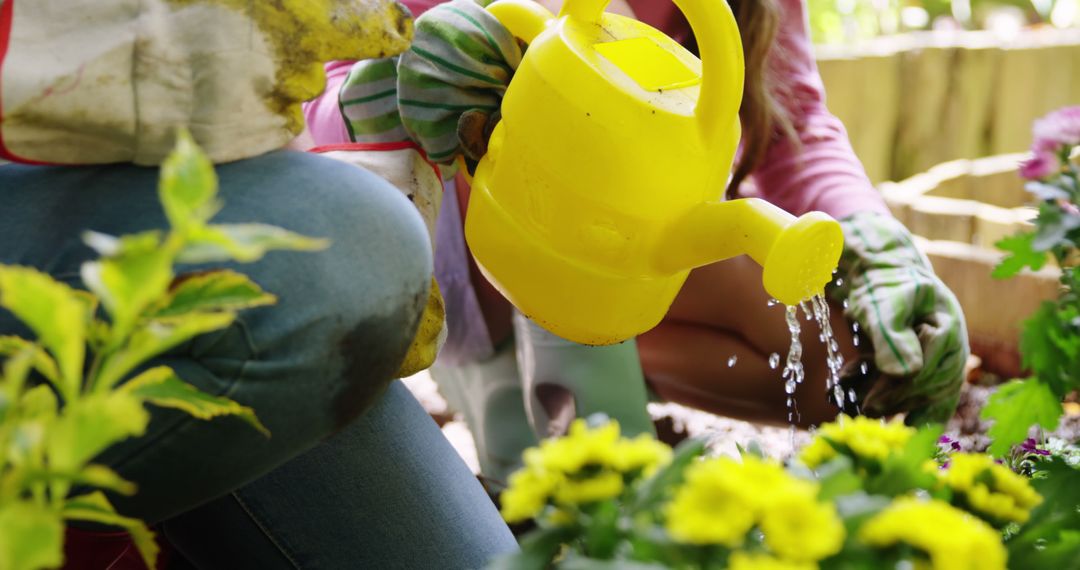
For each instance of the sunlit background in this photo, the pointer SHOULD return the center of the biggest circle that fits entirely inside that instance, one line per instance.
(845, 21)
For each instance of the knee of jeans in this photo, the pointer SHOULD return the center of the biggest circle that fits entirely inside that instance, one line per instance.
(372, 282)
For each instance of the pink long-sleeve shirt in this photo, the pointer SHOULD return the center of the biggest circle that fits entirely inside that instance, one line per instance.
(818, 172)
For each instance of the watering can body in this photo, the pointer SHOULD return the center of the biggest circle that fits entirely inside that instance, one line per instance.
(603, 183)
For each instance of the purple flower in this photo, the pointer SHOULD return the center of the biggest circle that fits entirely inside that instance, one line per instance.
(1043, 164)
(1031, 447)
(1060, 129)
(946, 440)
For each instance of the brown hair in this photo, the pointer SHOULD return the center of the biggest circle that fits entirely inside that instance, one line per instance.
(763, 117)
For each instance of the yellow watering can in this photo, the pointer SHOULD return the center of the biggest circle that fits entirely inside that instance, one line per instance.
(603, 183)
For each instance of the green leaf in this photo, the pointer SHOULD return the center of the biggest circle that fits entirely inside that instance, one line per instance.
(55, 313)
(243, 242)
(1053, 225)
(1022, 254)
(1017, 406)
(668, 477)
(31, 537)
(1050, 344)
(93, 475)
(538, 549)
(905, 471)
(1049, 538)
(188, 184)
(42, 362)
(602, 532)
(155, 337)
(130, 282)
(88, 426)
(16, 370)
(838, 477)
(577, 562)
(94, 507)
(101, 477)
(222, 290)
(162, 387)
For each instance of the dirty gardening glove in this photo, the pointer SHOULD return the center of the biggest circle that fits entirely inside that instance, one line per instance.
(918, 341)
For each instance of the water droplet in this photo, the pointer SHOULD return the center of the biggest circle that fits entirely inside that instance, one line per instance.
(840, 282)
(790, 401)
(772, 303)
(732, 360)
(774, 360)
(789, 386)
(845, 303)
(838, 395)
(851, 396)
(855, 340)
(864, 367)
(855, 328)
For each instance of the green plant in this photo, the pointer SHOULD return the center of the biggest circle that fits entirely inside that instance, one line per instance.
(82, 387)
(1051, 337)
(864, 495)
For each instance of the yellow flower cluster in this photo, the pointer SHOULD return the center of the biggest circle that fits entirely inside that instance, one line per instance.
(722, 500)
(990, 489)
(761, 561)
(585, 466)
(865, 438)
(953, 539)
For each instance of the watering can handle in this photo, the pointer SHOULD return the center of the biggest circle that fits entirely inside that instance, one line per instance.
(721, 55)
(524, 19)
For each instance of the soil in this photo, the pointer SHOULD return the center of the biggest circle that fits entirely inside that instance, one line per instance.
(725, 435)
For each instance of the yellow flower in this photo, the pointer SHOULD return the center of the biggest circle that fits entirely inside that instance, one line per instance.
(953, 539)
(723, 499)
(711, 507)
(799, 527)
(816, 452)
(603, 485)
(989, 488)
(762, 480)
(579, 448)
(527, 494)
(761, 561)
(865, 438)
(643, 453)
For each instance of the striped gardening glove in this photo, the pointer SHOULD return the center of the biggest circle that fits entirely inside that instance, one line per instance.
(918, 342)
(444, 93)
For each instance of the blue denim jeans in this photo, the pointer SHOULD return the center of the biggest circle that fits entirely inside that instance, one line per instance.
(355, 474)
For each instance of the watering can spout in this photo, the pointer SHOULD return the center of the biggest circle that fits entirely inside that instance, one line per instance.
(798, 255)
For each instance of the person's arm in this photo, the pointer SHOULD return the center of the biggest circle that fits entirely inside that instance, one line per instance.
(819, 171)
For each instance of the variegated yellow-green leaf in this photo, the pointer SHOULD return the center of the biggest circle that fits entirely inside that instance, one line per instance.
(101, 477)
(88, 426)
(31, 537)
(188, 184)
(222, 290)
(93, 475)
(55, 313)
(162, 387)
(155, 337)
(94, 507)
(15, 372)
(42, 362)
(39, 402)
(243, 242)
(128, 283)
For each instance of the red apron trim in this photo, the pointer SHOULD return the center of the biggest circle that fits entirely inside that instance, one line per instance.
(378, 147)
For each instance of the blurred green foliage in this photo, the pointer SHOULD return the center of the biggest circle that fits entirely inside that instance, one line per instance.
(845, 21)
